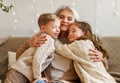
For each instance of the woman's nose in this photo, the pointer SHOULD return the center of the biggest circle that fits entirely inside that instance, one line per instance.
(69, 34)
(65, 20)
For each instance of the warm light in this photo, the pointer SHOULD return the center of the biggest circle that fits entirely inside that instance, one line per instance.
(73, 3)
(52, 8)
(13, 35)
(14, 13)
(113, 4)
(37, 15)
(116, 13)
(32, 7)
(15, 20)
(33, 21)
(34, 1)
(15, 28)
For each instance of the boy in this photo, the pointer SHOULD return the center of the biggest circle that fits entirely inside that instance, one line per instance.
(34, 60)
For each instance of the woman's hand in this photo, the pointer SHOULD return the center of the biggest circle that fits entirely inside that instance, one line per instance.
(95, 55)
(37, 40)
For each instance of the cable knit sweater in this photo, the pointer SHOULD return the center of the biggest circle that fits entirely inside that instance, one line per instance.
(34, 60)
(88, 71)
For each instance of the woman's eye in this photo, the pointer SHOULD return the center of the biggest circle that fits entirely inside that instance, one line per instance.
(69, 18)
(61, 17)
(74, 31)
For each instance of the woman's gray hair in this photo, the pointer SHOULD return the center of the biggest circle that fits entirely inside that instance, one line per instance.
(75, 13)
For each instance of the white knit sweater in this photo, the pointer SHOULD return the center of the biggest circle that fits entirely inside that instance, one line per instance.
(87, 70)
(34, 60)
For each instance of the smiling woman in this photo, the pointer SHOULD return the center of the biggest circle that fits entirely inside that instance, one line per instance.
(4, 7)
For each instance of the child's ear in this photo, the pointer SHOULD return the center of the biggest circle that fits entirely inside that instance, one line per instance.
(43, 28)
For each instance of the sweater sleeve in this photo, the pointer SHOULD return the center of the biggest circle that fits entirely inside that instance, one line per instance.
(75, 50)
(40, 56)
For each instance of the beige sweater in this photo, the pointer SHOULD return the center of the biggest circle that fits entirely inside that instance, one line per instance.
(34, 60)
(88, 71)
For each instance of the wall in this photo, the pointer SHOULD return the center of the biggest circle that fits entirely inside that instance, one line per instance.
(103, 15)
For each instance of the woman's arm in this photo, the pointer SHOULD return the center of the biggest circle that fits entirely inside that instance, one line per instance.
(22, 48)
(99, 57)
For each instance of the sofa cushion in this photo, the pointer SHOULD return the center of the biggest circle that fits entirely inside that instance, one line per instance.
(10, 45)
(11, 58)
(3, 40)
(112, 45)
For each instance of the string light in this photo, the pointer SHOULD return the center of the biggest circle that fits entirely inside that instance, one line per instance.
(97, 7)
(33, 21)
(37, 15)
(73, 3)
(53, 4)
(34, 1)
(114, 4)
(15, 22)
(15, 28)
(14, 13)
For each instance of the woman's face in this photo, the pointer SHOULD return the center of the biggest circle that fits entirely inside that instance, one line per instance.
(67, 18)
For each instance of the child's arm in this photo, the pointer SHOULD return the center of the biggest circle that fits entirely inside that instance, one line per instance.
(40, 56)
(75, 50)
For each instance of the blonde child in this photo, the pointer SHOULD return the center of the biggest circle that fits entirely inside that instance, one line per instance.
(81, 40)
(35, 59)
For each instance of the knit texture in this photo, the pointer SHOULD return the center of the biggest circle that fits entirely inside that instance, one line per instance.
(78, 52)
(36, 57)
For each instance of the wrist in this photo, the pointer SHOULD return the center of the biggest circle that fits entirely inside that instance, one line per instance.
(27, 45)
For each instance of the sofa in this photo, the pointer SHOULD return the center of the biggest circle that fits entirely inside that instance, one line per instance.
(110, 43)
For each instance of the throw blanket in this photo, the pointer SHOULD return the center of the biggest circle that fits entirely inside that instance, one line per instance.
(87, 70)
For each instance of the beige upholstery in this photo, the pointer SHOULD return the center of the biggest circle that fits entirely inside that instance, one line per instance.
(112, 44)
(10, 45)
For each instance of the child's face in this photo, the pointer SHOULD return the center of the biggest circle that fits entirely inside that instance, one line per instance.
(53, 28)
(74, 33)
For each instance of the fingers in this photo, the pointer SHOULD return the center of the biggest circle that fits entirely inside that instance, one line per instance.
(93, 51)
(37, 40)
(95, 55)
(96, 59)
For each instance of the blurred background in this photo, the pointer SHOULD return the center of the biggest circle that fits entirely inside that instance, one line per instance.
(21, 20)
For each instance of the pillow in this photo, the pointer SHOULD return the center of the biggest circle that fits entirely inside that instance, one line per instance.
(11, 58)
(3, 40)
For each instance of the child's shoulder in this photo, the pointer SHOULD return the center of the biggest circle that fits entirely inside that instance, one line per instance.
(48, 37)
(83, 42)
